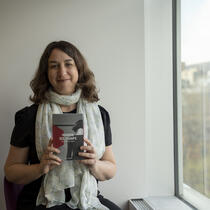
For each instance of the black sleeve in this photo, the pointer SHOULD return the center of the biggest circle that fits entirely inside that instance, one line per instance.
(107, 128)
(23, 128)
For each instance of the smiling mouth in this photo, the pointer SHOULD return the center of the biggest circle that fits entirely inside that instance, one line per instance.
(63, 80)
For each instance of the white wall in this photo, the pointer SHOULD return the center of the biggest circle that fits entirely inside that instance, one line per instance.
(110, 34)
(128, 45)
(159, 159)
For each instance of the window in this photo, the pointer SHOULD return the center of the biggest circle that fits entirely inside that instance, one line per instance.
(193, 101)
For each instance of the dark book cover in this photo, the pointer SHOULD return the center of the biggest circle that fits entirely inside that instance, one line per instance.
(68, 135)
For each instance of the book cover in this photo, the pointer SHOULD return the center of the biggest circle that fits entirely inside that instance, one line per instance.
(68, 135)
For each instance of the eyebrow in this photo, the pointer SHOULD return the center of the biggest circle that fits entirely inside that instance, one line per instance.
(67, 60)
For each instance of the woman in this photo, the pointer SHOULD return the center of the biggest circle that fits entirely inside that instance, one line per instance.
(63, 83)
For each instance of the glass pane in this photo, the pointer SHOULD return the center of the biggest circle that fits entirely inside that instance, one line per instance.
(192, 131)
(195, 76)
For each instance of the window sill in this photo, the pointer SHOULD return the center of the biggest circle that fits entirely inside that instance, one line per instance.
(160, 203)
(167, 202)
(195, 198)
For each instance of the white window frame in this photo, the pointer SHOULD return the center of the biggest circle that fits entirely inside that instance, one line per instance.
(182, 191)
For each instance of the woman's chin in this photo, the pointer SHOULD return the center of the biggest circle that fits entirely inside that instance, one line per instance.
(65, 92)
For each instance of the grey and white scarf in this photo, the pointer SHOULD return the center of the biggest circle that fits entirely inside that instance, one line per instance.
(70, 174)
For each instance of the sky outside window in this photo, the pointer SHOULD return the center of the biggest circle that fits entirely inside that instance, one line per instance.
(195, 31)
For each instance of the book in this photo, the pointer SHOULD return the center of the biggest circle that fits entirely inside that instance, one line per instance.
(68, 135)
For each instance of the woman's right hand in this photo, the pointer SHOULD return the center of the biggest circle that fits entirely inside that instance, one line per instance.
(49, 160)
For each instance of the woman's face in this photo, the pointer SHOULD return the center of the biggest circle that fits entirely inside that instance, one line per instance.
(62, 72)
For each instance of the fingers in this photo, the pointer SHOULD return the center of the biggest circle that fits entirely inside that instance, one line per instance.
(49, 160)
(52, 157)
(52, 149)
(52, 162)
(89, 153)
(49, 156)
(50, 142)
(89, 147)
(87, 142)
(89, 162)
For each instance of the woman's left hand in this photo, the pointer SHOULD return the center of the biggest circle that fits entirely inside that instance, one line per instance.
(102, 169)
(89, 154)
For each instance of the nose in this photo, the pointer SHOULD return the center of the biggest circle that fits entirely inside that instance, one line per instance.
(62, 71)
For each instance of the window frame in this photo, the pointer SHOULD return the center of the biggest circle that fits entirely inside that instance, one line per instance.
(177, 110)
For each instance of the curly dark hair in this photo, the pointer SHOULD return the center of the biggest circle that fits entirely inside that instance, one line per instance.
(40, 83)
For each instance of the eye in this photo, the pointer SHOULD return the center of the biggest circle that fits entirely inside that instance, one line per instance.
(68, 64)
(53, 66)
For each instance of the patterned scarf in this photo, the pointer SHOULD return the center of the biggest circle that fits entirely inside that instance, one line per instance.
(70, 174)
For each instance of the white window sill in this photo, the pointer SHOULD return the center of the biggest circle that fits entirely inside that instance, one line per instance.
(167, 202)
(195, 198)
(161, 203)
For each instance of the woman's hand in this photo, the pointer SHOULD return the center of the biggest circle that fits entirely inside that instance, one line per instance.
(49, 160)
(89, 154)
(102, 169)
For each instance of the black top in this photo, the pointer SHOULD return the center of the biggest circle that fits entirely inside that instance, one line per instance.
(23, 135)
